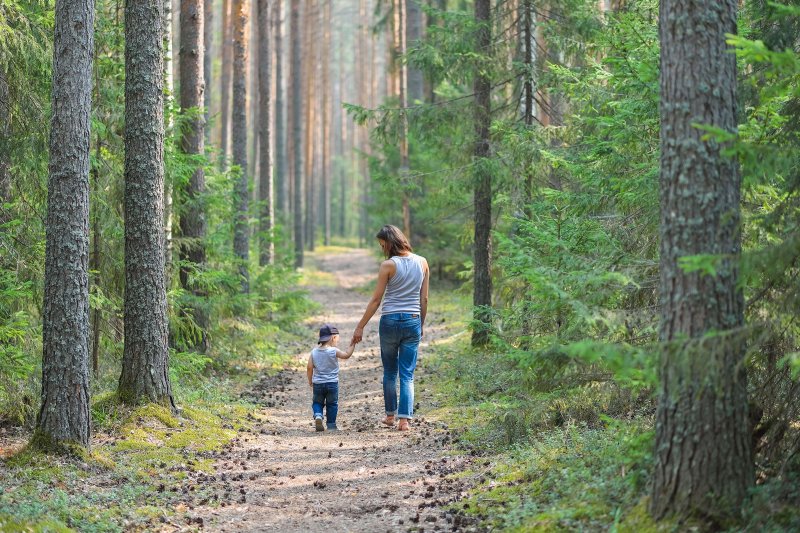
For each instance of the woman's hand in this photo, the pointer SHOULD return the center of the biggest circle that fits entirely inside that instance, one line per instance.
(358, 334)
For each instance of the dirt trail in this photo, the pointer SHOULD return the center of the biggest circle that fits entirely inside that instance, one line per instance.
(364, 477)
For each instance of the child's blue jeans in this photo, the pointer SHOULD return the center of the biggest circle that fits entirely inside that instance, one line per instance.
(400, 334)
(326, 395)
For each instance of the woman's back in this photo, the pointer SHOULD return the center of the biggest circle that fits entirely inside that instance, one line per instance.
(402, 290)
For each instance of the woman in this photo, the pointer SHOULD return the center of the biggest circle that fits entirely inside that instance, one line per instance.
(403, 286)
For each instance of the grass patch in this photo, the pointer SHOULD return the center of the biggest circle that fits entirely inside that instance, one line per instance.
(572, 457)
(145, 459)
(151, 449)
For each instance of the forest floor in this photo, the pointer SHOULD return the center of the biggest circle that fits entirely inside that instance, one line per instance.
(364, 477)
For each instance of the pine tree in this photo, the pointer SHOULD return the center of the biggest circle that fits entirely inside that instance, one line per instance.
(703, 457)
(265, 189)
(482, 277)
(192, 91)
(241, 237)
(64, 417)
(145, 369)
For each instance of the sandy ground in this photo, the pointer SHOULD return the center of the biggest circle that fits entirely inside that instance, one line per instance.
(365, 477)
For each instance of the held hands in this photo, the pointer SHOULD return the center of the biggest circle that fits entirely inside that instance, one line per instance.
(358, 334)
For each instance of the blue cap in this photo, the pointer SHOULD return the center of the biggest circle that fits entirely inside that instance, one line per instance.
(326, 332)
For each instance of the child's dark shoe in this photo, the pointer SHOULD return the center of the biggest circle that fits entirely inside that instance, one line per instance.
(332, 427)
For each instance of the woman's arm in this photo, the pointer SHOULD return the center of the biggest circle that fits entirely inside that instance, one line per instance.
(423, 294)
(385, 272)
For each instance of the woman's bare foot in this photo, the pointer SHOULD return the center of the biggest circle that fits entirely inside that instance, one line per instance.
(388, 421)
(403, 425)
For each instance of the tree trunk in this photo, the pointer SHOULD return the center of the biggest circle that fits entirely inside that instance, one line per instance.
(5, 133)
(414, 26)
(226, 53)
(252, 93)
(326, 124)
(192, 221)
(281, 176)
(402, 91)
(528, 44)
(265, 188)
(704, 463)
(169, 90)
(241, 241)
(208, 40)
(482, 277)
(310, 48)
(145, 370)
(64, 416)
(94, 259)
(297, 132)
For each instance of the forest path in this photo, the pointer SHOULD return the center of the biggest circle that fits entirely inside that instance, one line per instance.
(365, 477)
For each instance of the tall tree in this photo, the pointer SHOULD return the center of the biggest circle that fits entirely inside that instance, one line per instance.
(208, 40)
(241, 238)
(311, 48)
(169, 90)
(401, 86)
(252, 90)
(414, 28)
(64, 416)
(297, 131)
(5, 131)
(528, 46)
(326, 123)
(226, 55)
(281, 172)
(265, 188)
(703, 455)
(482, 276)
(145, 370)
(192, 141)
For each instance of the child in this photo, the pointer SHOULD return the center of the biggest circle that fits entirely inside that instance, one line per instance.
(323, 375)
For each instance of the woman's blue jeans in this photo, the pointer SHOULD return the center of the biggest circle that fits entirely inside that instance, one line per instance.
(400, 334)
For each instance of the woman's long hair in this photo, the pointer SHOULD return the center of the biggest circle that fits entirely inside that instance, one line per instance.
(396, 242)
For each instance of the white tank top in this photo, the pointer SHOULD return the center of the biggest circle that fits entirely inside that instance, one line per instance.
(402, 291)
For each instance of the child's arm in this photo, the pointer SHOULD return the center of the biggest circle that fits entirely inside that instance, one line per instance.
(310, 370)
(345, 355)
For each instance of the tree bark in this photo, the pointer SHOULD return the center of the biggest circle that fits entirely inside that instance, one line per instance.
(192, 142)
(414, 28)
(5, 153)
(281, 176)
(310, 48)
(145, 370)
(482, 277)
(326, 124)
(64, 415)
(703, 456)
(252, 93)
(169, 90)
(226, 54)
(297, 132)
(208, 41)
(265, 188)
(241, 241)
(402, 92)
(528, 44)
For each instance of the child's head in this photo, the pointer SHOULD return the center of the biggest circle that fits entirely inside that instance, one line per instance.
(328, 335)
